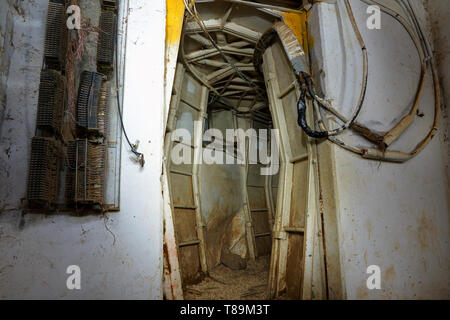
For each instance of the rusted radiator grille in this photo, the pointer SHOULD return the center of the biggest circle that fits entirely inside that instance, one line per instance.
(110, 4)
(107, 40)
(93, 99)
(85, 181)
(51, 101)
(102, 110)
(55, 37)
(43, 171)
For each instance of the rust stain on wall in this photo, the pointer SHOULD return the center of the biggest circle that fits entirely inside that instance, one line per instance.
(362, 292)
(427, 233)
(390, 274)
(369, 228)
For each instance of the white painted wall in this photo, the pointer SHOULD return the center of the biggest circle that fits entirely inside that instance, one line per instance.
(395, 216)
(438, 13)
(392, 215)
(36, 249)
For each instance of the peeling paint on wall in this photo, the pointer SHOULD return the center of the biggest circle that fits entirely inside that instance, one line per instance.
(390, 215)
(120, 255)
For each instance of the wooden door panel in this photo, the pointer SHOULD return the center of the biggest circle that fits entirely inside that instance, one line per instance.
(294, 266)
(188, 104)
(185, 225)
(189, 257)
(182, 192)
(299, 194)
(260, 222)
(191, 91)
(263, 246)
(296, 216)
(257, 198)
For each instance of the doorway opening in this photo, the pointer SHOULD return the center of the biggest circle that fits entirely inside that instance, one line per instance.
(233, 228)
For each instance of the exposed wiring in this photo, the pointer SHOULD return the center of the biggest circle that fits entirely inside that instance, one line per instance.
(398, 129)
(140, 156)
(192, 10)
(259, 5)
(301, 120)
(309, 97)
(306, 81)
(356, 112)
(423, 47)
(415, 32)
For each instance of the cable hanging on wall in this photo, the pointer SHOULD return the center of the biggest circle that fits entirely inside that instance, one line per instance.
(139, 156)
(384, 141)
(308, 95)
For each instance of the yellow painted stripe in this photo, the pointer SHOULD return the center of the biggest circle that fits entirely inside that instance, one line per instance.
(174, 21)
(297, 22)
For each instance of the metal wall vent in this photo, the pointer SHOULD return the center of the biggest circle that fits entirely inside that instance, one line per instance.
(92, 104)
(110, 4)
(51, 101)
(55, 45)
(43, 173)
(85, 181)
(107, 41)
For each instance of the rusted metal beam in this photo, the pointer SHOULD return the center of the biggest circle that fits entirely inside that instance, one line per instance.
(294, 230)
(189, 243)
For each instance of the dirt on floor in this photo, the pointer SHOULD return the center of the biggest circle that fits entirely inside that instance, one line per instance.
(226, 284)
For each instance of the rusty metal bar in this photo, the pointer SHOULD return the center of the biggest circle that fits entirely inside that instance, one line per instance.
(181, 172)
(184, 207)
(253, 186)
(189, 243)
(294, 230)
(260, 235)
(190, 105)
(291, 87)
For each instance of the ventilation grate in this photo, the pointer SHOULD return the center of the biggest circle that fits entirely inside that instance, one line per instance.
(43, 171)
(107, 40)
(55, 37)
(85, 181)
(102, 110)
(51, 101)
(93, 99)
(110, 4)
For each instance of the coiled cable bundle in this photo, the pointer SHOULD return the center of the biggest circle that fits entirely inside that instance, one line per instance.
(307, 90)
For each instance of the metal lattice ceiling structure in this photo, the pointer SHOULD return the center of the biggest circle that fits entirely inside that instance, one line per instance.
(235, 29)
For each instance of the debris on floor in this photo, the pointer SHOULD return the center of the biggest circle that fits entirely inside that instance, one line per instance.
(226, 284)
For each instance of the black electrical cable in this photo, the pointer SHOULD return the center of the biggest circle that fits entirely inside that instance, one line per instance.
(301, 120)
(308, 82)
(302, 113)
(139, 155)
(325, 134)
